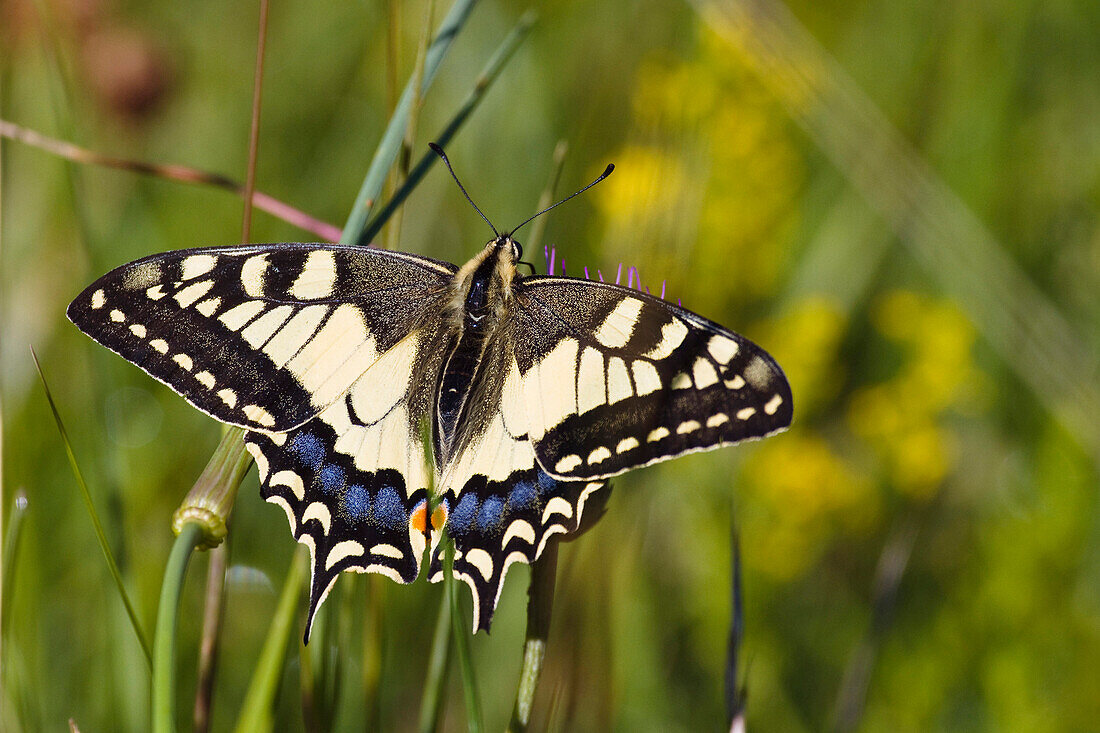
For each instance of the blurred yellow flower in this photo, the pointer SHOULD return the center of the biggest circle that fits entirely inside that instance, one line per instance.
(901, 418)
(708, 182)
(646, 180)
(808, 493)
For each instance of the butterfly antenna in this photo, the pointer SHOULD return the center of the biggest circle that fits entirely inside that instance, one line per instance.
(439, 151)
(606, 172)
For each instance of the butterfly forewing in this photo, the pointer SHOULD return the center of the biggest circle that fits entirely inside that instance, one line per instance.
(615, 379)
(260, 336)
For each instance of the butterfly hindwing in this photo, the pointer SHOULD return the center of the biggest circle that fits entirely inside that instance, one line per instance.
(501, 506)
(615, 379)
(259, 336)
(497, 523)
(354, 481)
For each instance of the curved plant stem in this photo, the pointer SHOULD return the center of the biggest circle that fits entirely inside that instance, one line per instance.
(178, 173)
(540, 602)
(164, 641)
(256, 710)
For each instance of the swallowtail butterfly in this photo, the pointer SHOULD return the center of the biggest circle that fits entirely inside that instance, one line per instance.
(538, 389)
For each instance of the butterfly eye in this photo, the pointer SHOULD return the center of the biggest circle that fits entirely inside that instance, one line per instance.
(517, 251)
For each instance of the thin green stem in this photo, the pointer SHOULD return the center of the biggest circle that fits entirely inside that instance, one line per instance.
(488, 75)
(462, 641)
(392, 139)
(538, 226)
(540, 603)
(256, 710)
(208, 647)
(372, 648)
(164, 642)
(101, 536)
(438, 660)
(254, 131)
(12, 534)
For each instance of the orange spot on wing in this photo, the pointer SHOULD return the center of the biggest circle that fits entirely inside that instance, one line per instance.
(439, 516)
(419, 517)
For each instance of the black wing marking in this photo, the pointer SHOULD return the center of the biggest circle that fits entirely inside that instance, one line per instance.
(259, 336)
(353, 481)
(615, 379)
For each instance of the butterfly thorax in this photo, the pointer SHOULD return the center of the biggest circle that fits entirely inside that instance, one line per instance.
(480, 296)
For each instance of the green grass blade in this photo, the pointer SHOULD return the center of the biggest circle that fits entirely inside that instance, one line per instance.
(540, 604)
(538, 226)
(393, 138)
(485, 80)
(12, 534)
(256, 710)
(164, 664)
(462, 641)
(438, 660)
(101, 536)
(13, 676)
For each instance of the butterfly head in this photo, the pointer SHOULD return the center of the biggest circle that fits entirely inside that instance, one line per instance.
(508, 248)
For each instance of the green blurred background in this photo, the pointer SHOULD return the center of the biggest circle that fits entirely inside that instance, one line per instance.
(897, 198)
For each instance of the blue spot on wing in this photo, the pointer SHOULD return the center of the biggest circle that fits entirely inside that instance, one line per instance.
(492, 511)
(309, 449)
(524, 494)
(388, 508)
(332, 479)
(356, 502)
(546, 483)
(463, 515)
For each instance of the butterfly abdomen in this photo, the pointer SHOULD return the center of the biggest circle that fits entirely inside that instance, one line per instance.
(481, 291)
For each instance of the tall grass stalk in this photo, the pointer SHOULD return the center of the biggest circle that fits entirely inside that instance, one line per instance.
(89, 505)
(462, 641)
(393, 138)
(218, 561)
(485, 80)
(439, 659)
(256, 712)
(540, 606)
(13, 532)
